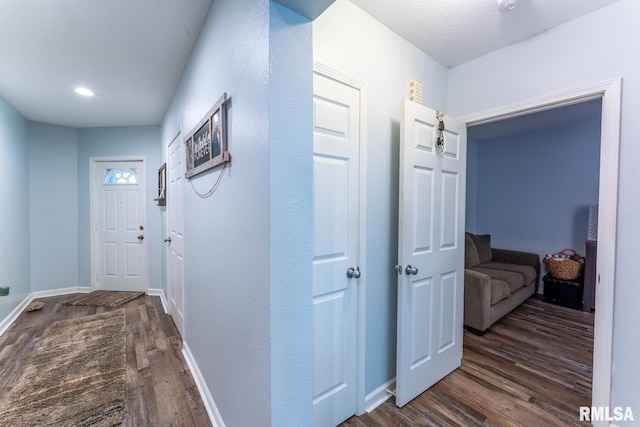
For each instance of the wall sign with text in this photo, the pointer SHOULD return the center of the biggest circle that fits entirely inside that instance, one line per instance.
(206, 144)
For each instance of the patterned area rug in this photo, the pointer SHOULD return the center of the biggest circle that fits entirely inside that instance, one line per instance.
(76, 376)
(105, 298)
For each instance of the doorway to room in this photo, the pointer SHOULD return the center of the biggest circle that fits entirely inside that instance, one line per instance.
(609, 92)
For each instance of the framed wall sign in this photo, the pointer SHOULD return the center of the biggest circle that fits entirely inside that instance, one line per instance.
(162, 185)
(206, 144)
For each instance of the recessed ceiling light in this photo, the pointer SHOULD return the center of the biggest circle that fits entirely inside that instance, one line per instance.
(506, 5)
(84, 91)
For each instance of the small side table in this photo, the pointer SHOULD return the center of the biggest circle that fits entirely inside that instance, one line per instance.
(567, 293)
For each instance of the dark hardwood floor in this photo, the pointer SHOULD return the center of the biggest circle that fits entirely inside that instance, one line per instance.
(160, 388)
(533, 368)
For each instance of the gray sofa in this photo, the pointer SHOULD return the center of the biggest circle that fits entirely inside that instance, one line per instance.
(495, 281)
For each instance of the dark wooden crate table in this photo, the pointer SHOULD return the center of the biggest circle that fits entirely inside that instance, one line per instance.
(567, 293)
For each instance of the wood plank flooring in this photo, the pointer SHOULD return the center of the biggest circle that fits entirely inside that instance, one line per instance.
(160, 388)
(532, 368)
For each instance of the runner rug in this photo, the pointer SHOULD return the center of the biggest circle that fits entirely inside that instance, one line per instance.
(76, 376)
(105, 298)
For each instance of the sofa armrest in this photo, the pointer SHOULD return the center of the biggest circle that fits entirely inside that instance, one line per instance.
(477, 300)
(516, 257)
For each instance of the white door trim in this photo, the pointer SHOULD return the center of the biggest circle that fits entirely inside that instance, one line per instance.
(361, 285)
(610, 91)
(93, 164)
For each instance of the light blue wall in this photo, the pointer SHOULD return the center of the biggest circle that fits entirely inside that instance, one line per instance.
(119, 141)
(352, 42)
(534, 189)
(53, 194)
(15, 269)
(227, 236)
(291, 208)
(592, 48)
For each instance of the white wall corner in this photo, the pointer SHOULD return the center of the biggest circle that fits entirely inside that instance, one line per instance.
(207, 399)
(380, 395)
(163, 299)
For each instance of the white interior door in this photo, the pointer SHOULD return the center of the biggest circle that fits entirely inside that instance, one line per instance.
(175, 240)
(431, 251)
(336, 142)
(120, 218)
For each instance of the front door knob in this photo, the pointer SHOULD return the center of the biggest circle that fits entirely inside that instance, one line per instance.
(411, 270)
(141, 237)
(167, 240)
(353, 273)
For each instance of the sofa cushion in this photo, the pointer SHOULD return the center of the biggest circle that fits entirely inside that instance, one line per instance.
(513, 279)
(499, 291)
(527, 271)
(471, 257)
(483, 246)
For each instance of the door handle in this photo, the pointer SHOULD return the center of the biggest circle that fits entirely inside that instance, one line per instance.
(167, 240)
(353, 273)
(411, 270)
(140, 237)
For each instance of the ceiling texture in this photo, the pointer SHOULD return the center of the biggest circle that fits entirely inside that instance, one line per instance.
(456, 31)
(132, 53)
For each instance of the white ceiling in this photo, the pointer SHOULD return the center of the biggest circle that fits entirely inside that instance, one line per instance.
(456, 31)
(132, 52)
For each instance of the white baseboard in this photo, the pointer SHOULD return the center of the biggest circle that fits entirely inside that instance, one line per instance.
(8, 321)
(61, 291)
(163, 299)
(378, 396)
(209, 404)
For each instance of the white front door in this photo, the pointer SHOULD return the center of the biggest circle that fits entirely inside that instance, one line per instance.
(175, 240)
(431, 250)
(336, 144)
(119, 223)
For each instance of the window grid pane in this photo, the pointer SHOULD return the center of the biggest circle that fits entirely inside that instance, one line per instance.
(121, 176)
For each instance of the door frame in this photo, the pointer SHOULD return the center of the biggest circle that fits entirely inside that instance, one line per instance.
(360, 287)
(610, 92)
(167, 231)
(93, 169)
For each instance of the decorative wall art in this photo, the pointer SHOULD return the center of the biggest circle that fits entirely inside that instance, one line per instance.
(206, 144)
(162, 185)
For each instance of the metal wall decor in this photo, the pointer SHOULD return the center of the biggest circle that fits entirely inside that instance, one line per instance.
(162, 185)
(206, 144)
(440, 137)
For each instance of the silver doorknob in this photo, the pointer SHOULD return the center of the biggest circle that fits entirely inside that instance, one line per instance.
(167, 240)
(411, 270)
(353, 273)
(140, 237)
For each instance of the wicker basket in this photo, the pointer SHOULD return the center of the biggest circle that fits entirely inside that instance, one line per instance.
(565, 265)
